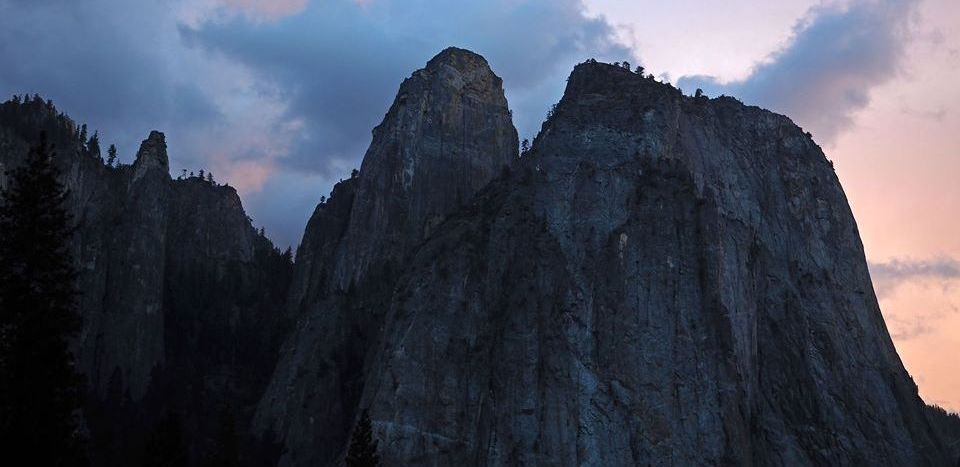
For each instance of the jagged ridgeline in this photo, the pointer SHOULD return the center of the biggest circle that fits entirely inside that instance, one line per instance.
(659, 280)
(180, 297)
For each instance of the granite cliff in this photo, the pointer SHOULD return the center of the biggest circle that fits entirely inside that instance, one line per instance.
(447, 134)
(661, 280)
(180, 297)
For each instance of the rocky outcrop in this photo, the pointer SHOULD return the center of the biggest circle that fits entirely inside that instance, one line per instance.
(447, 134)
(152, 155)
(663, 280)
(180, 297)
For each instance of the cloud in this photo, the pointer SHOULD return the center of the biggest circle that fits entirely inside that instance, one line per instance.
(891, 274)
(917, 294)
(937, 115)
(337, 66)
(267, 9)
(194, 12)
(824, 75)
(341, 64)
(124, 70)
(277, 97)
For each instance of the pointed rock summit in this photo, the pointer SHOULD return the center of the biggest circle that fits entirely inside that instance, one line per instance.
(152, 154)
(447, 134)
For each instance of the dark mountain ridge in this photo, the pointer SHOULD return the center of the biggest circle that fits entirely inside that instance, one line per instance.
(661, 279)
(180, 296)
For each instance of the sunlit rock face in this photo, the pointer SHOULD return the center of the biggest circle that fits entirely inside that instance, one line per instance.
(662, 280)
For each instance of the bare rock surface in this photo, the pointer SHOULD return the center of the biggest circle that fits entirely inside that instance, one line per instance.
(662, 280)
(446, 135)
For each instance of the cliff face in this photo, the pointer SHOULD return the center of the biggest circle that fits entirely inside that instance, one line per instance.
(180, 298)
(447, 134)
(663, 280)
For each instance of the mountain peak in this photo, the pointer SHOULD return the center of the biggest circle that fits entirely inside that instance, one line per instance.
(461, 59)
(598, 77)
(152, 153)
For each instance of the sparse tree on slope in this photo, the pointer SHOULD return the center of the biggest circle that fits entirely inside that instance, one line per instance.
(112, 155)
(93, 145)
(39, 386)
(165, 447)
(226, 451)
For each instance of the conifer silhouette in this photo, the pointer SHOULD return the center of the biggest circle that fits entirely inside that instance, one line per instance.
(363, 448)
(39, 386)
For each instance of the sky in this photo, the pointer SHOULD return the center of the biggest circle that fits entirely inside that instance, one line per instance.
(278, 99)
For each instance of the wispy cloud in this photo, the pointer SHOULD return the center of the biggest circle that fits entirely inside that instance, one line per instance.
(278, 97)
(887, 276)
(936, 277)
(268, 9)
(938, 114)
(824, 75)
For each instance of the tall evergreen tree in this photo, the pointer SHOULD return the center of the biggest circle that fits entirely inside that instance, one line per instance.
(363, 448)
(93, 145)
(226, 448)
(111, 155)
(39, 386)
(165, 447)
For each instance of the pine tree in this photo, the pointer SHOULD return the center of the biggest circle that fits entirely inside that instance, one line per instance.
(164, 447)
(363, 448)
(39, 386)
(93, 145)
(111, 155)
(226, 450)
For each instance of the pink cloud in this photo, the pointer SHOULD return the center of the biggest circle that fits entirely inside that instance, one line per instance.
(247, 176)
(267, 9)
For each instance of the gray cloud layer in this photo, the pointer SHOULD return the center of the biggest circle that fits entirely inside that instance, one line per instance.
(281, 106)
(825, 74)
(111, 70)
(340, 65)
(278, 106)
(891, 274)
